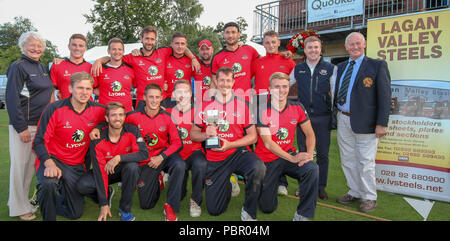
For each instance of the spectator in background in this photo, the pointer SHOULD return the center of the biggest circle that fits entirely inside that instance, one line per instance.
(28, 92)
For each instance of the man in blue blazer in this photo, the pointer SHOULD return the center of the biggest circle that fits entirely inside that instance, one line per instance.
(362, 100)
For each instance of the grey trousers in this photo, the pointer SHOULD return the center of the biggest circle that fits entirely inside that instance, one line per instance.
(21, 172)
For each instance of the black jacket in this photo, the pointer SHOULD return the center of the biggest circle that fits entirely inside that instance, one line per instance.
(28, 92)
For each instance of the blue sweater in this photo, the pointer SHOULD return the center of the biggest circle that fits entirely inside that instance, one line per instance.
(28, 92)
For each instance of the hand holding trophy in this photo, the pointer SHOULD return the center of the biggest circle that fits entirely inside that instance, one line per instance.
(211, 118)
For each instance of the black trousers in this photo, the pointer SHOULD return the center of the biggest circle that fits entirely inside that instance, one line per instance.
(218, 186)
(197, 164)
(307, 176)
(148, 183)
(127, 173)
(320, 125)
(60, 196)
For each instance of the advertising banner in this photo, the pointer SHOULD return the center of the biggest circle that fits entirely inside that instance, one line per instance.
(319, 10)
(414, 157)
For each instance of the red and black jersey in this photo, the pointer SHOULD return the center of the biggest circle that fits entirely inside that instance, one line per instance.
(131, 148)
(63, 133)
(235, 117)
(282, 127)
(202, 80)
(177, 69)
(114, 84)
(148, 69)
(159, 132)
(184, 121)
(240, 61)
(264, 67)
(61, 73)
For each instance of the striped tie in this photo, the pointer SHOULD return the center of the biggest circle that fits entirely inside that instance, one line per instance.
(342, 97)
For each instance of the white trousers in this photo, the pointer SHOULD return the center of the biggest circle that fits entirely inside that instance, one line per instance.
(21, 172)
(358, 152)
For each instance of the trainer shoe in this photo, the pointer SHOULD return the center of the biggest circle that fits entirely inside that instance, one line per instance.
(282, 190)
(110, 195)
(169, 213)
(126, 216)
(347, 199)
(194, 209)
(298, 217)
(161, 182)
(246, 217)
(235, 189)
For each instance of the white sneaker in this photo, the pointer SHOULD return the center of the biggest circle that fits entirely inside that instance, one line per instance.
(235, 189)
(282, 190)
(246, 217)
(298, 217)
(194, 209)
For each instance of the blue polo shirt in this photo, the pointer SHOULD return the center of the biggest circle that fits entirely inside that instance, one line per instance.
(346, 106)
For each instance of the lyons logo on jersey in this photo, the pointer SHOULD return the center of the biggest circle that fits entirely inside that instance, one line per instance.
(179, 74)
(282, 133)
(153, 70)
(151, 140)
(183, 132)
(78, 136)
(223, 125)
(116, 86)
(207, 80)
(237, 68)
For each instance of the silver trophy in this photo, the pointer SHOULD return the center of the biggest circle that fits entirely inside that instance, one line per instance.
(212, 117)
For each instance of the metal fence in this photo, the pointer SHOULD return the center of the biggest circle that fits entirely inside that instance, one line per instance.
(287, 17)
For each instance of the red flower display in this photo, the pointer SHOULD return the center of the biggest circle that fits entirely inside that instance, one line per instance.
(296, 43)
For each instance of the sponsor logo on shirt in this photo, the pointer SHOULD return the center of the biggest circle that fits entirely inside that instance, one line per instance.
(153, 70)
(151, 140)
(282, 133)
(67, 126)
(179, 74)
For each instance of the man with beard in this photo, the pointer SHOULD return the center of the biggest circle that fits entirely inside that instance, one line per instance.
(238, 58)
(61, 145)
(149, 66)
(115, 158)
(203, 77)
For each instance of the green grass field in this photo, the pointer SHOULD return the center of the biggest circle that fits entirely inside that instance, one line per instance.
(390, 206)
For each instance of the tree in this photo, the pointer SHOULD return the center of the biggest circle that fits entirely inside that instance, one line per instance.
(125, 18)
(9, 37)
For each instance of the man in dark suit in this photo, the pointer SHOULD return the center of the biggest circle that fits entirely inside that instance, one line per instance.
(362, 100)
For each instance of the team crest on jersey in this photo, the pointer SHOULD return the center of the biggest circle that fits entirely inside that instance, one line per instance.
(207, 80)
(158, 60)
(244, 56)
(153, 70)
(179, 74)
(162, 128)
(293, 122)
(223, 125)
(116, 86)
(183, 132)
(106, 76)
(323, 72)
(282, 133)
(151, 140)
(237, 68)
(126, 76)
(78, 135)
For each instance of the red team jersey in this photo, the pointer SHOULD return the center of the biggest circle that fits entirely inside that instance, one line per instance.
(184, 121)
(240, 61)
(264, 67)
(202, 80)
(61, 73)
(149, 69)
(237, 119)
(115, 85)
(282, 127)
(130, 147)
(176, 69)
(63, 133)
(159, 132)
